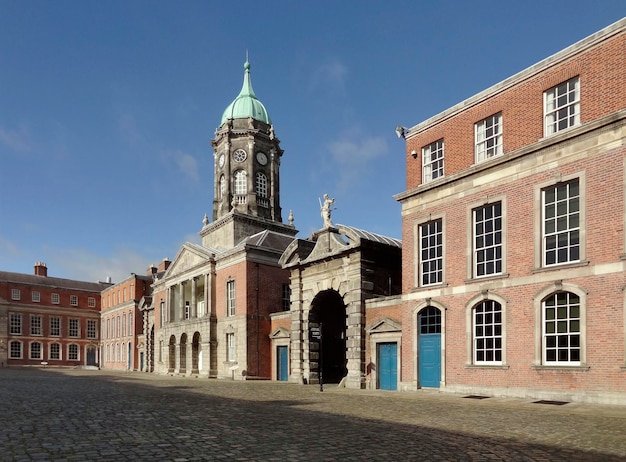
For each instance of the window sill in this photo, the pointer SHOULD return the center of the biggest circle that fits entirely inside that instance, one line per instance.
(491, 277)
(487, 366)
(432, 286)
(544, 367)
(561, 266)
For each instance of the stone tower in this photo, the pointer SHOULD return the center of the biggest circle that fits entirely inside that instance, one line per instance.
(246, 173)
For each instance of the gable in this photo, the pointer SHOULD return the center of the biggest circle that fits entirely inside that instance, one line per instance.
(384, 325)
(188, 257)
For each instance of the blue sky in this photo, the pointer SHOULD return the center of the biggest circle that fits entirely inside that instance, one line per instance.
(107, 109)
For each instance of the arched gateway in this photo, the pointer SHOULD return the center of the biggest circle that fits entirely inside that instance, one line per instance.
(329, 312)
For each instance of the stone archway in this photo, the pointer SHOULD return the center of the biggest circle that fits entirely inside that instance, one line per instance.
(196, 354)
(182, 364)
(172, 354)
(329, 310)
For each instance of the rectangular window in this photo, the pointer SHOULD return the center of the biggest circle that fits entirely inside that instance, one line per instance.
(488, 333)
(35, 296)
(55, 326)
(74, 327)
(187, 310)
(55, 351)
(230, 298)
(108, 328)
(230, 347)
(35, 350)
(16, 294)
(286, 297)
(55, 299)
(431, 252)
(91, 329)
(35, 325)
(561, 223)
(15, 321)
(561, 329)
(15, 350)
(488, 240)
(72, 352)
(124, 325)
(432, 161)
(74, 300)
(91, 302)
(562, 106)
(488, 138)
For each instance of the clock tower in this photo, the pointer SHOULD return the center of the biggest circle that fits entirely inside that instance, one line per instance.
(246, 173)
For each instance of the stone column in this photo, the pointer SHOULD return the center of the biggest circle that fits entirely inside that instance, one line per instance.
(194, 301)
(181, 302)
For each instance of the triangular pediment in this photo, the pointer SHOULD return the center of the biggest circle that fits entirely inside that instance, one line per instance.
(189, 256)
(281, 332)
(384, 325)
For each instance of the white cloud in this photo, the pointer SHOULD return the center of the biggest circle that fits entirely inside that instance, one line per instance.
(16, 140)
(331, 74)
(352, 155)
(187, 164)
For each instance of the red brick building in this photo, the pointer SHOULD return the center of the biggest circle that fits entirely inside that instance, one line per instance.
(513, 221)
(47, 320)
(122, 322)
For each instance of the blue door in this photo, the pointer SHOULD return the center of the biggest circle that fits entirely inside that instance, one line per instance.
(429, 321)
(388, 366)
(282, 352)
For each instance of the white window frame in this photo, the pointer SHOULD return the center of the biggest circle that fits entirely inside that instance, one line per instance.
(488, 240)
(561, 325)
(241, 183)
(230, 347)
(73, 328)
(561, 220)
(561, 106)
(15, 324)
(36, 325)
(55, 348)
(230, 298)
(16, 294)
(91, 302)
(55, 299)
(70, 355)
(74, 300)
(430, 248)
(433, 161)
(488, 333)
(92, 329)
(261, 185)
(35, 296)
(55, 326)
(30, 353)
(488, 138)
(20, 354)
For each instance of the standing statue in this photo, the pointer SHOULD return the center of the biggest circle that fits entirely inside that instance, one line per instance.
(326, 210)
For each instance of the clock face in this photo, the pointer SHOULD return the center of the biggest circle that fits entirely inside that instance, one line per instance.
(239, 155)
(221, 160)
(261, 158)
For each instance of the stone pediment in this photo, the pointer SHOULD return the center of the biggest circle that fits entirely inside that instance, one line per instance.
(189, 256)
(383, 326)
(281, 332)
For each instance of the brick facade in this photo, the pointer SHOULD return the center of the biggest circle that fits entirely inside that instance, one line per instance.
(587, 157)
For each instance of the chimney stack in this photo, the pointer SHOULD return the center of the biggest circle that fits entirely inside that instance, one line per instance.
(41, 269)
(165, 264)
(151, 271)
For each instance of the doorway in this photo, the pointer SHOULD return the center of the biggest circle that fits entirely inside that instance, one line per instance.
(329, 310)
(429, 325)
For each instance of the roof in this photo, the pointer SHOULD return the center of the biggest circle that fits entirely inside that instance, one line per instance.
(268, 240)
(31, 279)
(246, 104)
(352, 233)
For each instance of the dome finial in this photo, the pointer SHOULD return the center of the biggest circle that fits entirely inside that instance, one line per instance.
(246, 65)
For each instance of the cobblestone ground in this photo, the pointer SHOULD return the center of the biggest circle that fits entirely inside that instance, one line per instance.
(78, 415)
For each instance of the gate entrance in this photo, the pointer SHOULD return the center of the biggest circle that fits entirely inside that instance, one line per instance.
(429, 322)
(328, 309)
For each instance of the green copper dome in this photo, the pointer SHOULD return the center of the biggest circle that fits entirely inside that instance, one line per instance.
(246, 104)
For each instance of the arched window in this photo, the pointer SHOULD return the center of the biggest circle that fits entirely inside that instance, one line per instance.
(561, 329)
(487, 326)
(241, 182)
(261, 185)
(222, 187)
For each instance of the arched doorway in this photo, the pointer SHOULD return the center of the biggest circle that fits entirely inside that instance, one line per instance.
(172, 354)
(329, 310)
(182, 366)
(429, 333)
(196, 354)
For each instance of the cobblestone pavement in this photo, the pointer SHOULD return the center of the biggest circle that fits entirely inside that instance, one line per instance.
(78, 415)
